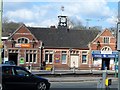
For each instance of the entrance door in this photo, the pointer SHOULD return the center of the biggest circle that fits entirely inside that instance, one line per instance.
(74, 61)
(13, 57)
(105, 63)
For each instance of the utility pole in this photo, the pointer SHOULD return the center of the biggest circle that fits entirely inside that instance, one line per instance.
(1, 10)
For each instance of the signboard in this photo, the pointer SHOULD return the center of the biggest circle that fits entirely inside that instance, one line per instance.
(22, 45)
(104, 55)
(22, 61)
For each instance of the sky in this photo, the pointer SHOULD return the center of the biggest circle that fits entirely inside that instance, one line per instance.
(44, 13)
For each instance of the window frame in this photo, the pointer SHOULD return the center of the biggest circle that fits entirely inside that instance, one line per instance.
(65, 60)
(106, 40)
(31, 54)
(48, 53)
(84, 53)
(20, 41)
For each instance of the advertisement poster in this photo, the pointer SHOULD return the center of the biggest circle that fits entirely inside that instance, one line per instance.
(57, 58)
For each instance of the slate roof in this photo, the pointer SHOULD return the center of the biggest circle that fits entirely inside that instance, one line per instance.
(63, 38)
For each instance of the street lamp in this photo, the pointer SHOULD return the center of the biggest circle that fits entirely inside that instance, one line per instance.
(13, 42)
(41, 54)
(98, 45)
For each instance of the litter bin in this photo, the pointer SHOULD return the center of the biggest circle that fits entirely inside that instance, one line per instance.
(109, 82)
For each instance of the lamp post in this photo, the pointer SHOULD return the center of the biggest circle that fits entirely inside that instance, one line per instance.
(1, 9)
(118, 49)
(98, 45)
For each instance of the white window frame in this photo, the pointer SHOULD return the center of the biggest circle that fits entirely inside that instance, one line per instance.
(106, 40)
(64, 53)
(84, 53)
(32, 52)
(49, 53)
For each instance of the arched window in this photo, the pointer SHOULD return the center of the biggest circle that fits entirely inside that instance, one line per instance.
(23, 40)
(106, 50)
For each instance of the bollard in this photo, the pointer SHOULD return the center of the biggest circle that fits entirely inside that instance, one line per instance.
(30, 68)
(99, 84)
(104, 75)
(53, 70)
(74, 69)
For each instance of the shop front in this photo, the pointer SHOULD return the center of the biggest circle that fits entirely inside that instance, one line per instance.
(103, 60)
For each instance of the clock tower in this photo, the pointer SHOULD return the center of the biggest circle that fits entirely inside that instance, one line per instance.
(62, 21)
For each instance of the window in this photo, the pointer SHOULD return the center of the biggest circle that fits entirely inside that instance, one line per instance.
(7, 71)
(34, 57)
(64, 61)
(84, 57)
(64, 57)
(106, 40)
(23, 40)
(31, 56)
(27, 57)
(21, 72)
(46, 57)
(49, 57)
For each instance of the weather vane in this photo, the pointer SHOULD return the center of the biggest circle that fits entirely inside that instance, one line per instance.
(62, 9)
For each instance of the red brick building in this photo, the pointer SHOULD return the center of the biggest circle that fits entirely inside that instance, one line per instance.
(103, 51)
(61, 48)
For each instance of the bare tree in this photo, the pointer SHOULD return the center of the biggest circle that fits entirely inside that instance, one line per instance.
(9, 26)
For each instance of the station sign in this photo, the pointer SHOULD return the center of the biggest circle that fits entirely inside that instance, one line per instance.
(104, 55)
(22, 45)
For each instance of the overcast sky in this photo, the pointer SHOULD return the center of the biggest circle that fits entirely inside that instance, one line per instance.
(44, 13)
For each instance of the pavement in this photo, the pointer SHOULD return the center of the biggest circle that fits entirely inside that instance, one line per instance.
(77, 79)
(63, 72)
(74, 76)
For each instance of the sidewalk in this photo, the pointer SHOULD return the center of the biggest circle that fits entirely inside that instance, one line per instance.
(71, 71)
(76, 79)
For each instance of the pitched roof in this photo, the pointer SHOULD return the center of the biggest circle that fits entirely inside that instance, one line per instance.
(63, 38)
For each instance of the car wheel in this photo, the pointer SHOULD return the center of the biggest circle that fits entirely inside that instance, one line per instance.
(41, 86)
(1, 86)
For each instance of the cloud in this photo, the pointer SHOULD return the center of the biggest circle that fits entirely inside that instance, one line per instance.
(22, 14)
(112, 20)
(58, 0)
(45, 13)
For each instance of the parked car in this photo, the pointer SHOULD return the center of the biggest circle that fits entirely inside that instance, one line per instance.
(16, 77)
(10, 62)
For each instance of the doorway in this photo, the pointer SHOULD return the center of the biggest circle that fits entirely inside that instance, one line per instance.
(13, 57)
(74, 61)
(105, 63)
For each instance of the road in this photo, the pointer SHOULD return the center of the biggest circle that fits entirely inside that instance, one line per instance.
(86, 85)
